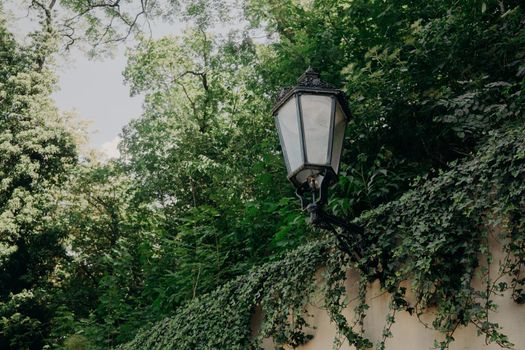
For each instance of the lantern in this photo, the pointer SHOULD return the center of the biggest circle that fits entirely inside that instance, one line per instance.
(311, 119)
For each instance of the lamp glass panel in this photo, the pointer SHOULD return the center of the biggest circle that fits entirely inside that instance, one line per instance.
(288, 126)
(316, 112)
(339, 135)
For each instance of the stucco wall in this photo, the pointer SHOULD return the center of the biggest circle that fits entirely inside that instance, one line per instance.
(409, 333)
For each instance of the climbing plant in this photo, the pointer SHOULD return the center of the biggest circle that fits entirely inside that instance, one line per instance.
(431, 237)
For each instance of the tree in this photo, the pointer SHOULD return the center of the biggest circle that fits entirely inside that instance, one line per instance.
(426, 80)
(103, 24)
(36, 151)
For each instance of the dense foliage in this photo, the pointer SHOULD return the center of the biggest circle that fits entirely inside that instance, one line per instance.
(36, 152)
(194, 223)
(418, 238)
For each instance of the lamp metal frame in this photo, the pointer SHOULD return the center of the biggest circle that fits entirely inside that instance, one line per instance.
(350, 235)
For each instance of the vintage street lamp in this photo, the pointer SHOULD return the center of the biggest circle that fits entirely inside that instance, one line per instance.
(311, 119)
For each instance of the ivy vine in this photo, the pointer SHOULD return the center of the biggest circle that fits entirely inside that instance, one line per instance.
(433, 236)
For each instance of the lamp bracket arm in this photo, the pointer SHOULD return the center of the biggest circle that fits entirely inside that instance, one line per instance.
(349, 236)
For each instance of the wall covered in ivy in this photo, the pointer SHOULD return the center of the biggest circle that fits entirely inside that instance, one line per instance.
(409, 331)
(429, 253)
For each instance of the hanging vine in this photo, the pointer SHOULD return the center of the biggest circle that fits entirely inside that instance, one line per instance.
(432, 237)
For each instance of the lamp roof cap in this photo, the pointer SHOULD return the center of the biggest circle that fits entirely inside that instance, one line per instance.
(310, 82)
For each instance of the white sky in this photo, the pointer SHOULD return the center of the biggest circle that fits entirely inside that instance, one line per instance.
(93, 89)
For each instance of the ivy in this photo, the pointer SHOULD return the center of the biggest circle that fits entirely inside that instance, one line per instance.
(221, 319)
(431, 237)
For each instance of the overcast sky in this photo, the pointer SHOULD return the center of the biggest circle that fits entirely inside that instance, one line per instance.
(94, 89)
